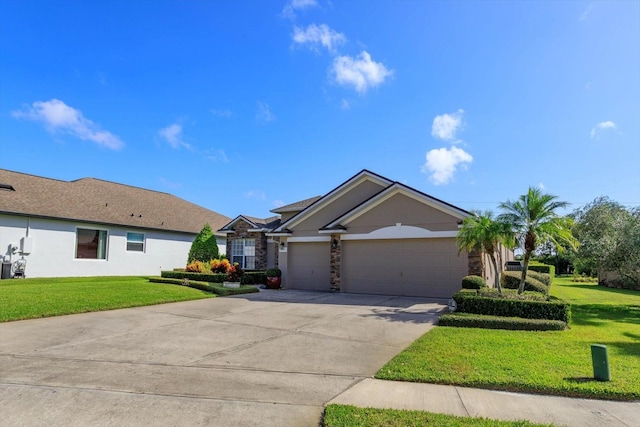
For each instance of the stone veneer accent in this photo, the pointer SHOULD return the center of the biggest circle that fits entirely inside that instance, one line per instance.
(242, 232)
(476, 263)
(336, 262)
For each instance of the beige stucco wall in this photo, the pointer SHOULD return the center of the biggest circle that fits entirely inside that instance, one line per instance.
(406, 210)
(309, 226)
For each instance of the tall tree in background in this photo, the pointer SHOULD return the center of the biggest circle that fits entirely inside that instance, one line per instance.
(204, 247)
(534, 220)
(609, 236)
(484, 233)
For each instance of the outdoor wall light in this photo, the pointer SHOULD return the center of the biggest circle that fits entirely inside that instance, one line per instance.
(334, 244)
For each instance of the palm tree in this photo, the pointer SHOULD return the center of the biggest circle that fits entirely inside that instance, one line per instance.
(534, 220)
(484, 233)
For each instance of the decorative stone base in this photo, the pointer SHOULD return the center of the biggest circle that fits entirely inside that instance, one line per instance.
(232, 285)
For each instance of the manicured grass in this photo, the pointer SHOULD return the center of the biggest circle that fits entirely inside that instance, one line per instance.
(350, 416)
(547, 362)
(44, 297)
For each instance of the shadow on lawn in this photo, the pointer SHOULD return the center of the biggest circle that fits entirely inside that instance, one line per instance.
(594, 314)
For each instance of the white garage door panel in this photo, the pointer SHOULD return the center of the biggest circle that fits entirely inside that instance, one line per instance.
(412, 267)
(309, 266)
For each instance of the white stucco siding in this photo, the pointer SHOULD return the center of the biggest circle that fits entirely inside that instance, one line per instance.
(54, 249)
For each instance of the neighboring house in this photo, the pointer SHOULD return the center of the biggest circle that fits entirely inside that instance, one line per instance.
(91, 227)
(368, 235)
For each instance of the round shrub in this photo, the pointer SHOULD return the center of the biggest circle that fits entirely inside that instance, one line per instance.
(473, 282)
(511, 280)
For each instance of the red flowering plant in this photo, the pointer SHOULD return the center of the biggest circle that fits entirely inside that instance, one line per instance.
(234, 272)
(219, 265)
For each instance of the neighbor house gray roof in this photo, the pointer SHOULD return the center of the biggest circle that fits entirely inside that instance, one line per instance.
(297, 206)
(103, 202)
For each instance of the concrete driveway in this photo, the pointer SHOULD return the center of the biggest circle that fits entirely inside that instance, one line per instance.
(271, 358)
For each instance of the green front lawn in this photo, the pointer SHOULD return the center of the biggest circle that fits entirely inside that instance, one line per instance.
(549, 362)
(44, 297)
(350, 416)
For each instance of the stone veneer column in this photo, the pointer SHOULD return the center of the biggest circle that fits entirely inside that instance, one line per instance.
(336, 262)
(476, 263)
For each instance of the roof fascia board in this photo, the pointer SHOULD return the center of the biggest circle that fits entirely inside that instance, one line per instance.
(334, 194)
(309, 239)
(279, 234)
(105, 224)
(234, 221)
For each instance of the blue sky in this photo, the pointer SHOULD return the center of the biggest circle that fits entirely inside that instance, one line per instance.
(243, 106)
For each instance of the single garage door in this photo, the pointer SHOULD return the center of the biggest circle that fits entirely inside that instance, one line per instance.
(309, 266)
(411, 267)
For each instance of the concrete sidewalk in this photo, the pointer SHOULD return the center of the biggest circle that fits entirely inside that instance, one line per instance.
(471, 402)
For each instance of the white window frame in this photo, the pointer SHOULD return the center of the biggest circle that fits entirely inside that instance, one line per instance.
(105, 245)
(143, 243)
(244, 253)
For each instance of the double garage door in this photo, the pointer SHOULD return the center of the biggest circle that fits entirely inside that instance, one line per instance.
(410, 267)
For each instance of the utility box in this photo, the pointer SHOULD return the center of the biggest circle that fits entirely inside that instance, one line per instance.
(6, 270)
(600, 360)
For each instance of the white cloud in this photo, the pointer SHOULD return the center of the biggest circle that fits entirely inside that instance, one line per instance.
(585, 14)
(292, 6)
(255, 194)
(442, 163)
(173, 135)
(264, 113)
(541, 186)
(224, 113)
(446, 126)
(318, 35)
(277, 203)
(595, 132)
(59, 117)
(216, 155)
(362, 73)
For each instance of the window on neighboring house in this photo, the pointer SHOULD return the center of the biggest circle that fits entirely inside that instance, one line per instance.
(91, 244)
(243, 251)
(135, 242)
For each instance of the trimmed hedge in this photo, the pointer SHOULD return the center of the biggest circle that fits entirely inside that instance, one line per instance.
(511, 294)
(223, 292)
(254, 278)
(248, 278)
(203, 286)
(554, 309)
(511, 280)
(473, 282)
(468, 320)
(215, 288)
(201, 277)
(542, 277)
(543, 268)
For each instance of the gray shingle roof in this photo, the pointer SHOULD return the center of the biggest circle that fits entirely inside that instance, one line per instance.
(297, 206)
(104, 202)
